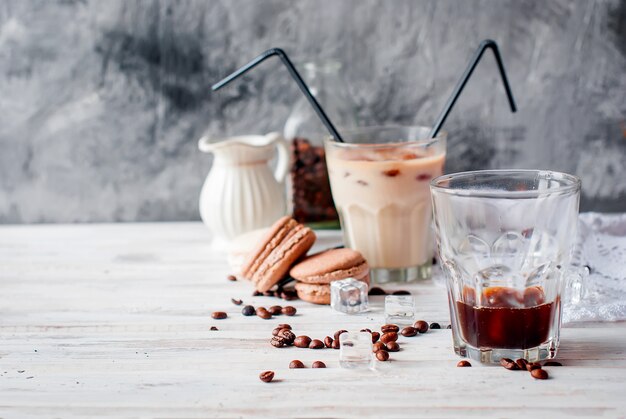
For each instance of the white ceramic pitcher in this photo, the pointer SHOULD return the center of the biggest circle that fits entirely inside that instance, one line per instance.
(241, 193)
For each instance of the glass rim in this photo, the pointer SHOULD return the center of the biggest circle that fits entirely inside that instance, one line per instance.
(571, 184)
(442, 135)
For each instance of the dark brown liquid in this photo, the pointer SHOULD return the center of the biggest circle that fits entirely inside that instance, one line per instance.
(504, 326)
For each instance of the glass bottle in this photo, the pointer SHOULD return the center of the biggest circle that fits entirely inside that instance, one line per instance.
(308, 186)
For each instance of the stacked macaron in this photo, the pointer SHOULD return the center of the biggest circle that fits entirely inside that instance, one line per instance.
(315, 273)
(281, 252)
(283, 245)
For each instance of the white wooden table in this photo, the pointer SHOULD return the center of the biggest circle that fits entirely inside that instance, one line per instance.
(114, 320)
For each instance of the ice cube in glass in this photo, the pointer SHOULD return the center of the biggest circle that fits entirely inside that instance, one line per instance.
(349, 296)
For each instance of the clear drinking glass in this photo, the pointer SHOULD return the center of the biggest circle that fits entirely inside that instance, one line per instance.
(505, 238)
(379, 179)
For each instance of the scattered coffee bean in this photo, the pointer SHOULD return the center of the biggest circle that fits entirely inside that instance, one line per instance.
(248, 311)
(393, 346)
(231, 277)
(336, 344)
(276, 331)
(365, 330)
(463, 363)
(318, 364)
(328, 341)
(218, 315)
(288, 335)
(375, 337)
(236, 302)
(533, 366)
(401, 292)
(408, 331)
(256, 293)
(316, 344)
(289, 311)
(521, 363)
(421, 326)
(302, 341)
(268, 293)
(339, 332)
(435, 326)
(539, 374)
(509, 364)
(213, 328)
(552, 364)
(377, 291)
(379, 346)
(289, 295)
(263, 313)
(275, 310)
(382, 355)
(389, 337)
(266, 376)
(284, 326)
(449, 326)
(296, 364)
(390, 328)
(278, 342)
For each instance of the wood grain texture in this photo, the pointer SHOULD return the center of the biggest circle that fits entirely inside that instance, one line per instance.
(113, 320)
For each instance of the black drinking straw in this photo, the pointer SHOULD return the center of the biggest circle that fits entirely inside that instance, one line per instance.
(294, 74)
(487, 43)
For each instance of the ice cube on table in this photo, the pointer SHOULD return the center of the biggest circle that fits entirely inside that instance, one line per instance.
(349, 296)
(399, 309)
(355, 350)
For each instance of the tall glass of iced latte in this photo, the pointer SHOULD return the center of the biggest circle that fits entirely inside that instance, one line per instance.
(379, 178)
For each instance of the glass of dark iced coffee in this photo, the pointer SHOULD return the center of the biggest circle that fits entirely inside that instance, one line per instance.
(504, 239)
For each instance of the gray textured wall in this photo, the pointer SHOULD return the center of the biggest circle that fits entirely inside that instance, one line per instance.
(101, 102)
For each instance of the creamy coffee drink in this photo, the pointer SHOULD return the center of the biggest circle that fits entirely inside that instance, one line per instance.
(382, 195)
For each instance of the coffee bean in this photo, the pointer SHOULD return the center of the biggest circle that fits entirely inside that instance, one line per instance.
(521, 363)
(435, 326)
(401, 292)
(382, 355)
(278, 342)
(289, 295)
(421, 326)
(318, 364)
(463, 363)
(231, 277)
(531, 366)
(236, 302)
(339, 332)
(377, 291)
(288, 335)
(256, 293)
(275, 310)
(336, 344)
(276, 331)
(390, 328)
(302, 341)
(389, 337)
(379, 346)
(328, 341)
(263, 313)
(409, 331)
(218, 315)
(552, 364)
(393, 346)
(289, 311)
(509, 364)
(449, 326)
(296, 364)
(284, 326)
(365, 330)
(375, 337)
(316, 344)
(266, 376)
(268, 293)
(213, 328)
(539, 374)
(248, 311)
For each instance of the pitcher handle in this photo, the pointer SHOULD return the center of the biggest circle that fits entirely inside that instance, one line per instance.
(282, 165)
